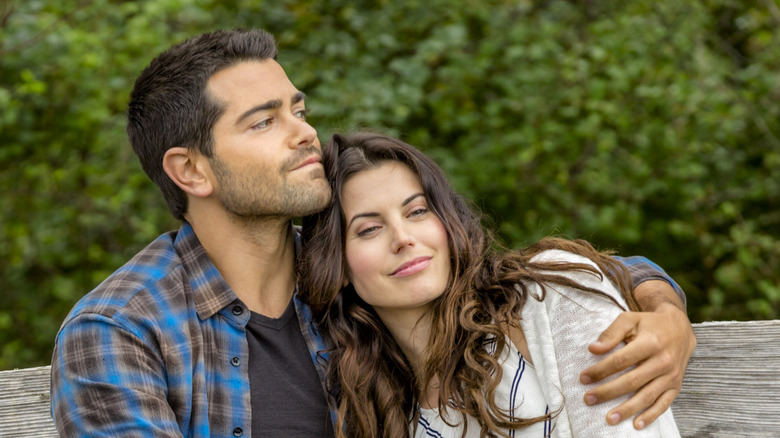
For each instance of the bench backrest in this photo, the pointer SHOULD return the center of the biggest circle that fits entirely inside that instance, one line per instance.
(731, 387)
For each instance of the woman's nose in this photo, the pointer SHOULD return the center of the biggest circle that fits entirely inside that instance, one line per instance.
(401, 239)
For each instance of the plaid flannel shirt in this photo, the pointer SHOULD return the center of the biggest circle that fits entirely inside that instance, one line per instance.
(159, 349)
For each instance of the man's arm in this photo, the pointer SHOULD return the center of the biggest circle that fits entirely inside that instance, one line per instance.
(643, 270)
(660, 341)
(107, 382)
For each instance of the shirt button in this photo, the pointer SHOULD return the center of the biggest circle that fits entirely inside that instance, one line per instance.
(235, 361)
(237, 310)
(238, 431)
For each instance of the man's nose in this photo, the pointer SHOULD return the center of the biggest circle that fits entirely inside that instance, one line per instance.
(304, 134)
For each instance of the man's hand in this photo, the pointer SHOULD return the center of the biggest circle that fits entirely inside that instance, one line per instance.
(659, 342)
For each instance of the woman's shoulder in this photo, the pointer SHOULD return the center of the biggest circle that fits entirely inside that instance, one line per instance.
(593, 279)
(561, 256)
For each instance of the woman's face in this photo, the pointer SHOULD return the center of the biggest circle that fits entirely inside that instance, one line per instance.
(397, 250)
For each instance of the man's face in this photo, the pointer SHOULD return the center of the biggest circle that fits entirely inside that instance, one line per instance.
(267, 158)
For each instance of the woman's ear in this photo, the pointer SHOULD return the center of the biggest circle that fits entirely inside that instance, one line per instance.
(189, 170)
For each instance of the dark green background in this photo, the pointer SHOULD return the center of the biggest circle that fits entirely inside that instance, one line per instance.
(647, 126)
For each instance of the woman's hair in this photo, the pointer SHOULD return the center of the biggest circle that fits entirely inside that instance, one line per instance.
(370, 381)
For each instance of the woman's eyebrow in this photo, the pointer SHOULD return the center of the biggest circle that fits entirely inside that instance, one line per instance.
(412, 198)
(357, 216)
(374, 214)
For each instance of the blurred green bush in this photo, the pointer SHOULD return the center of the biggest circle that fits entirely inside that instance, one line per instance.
(647, 126)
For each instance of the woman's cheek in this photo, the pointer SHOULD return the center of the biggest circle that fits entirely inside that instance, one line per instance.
(360, 265)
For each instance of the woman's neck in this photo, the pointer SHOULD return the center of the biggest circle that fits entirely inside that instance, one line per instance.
(412, 333)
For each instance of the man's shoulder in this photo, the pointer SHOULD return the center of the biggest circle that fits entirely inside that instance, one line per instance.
(151, 278)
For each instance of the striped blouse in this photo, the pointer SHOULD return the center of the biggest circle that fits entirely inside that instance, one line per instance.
(519, 392)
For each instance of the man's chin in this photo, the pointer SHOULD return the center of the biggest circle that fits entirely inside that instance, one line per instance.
(314, 200)
(317, 172)
(321, 201)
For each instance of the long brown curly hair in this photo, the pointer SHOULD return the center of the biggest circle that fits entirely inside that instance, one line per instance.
(372, 385)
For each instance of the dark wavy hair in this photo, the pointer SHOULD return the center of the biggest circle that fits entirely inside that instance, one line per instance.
(370, 381)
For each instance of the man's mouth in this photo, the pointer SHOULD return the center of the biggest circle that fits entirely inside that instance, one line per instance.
(311, 160)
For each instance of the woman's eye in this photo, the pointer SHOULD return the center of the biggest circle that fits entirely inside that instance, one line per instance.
(418, 211)
(301, 114)
(368, 230)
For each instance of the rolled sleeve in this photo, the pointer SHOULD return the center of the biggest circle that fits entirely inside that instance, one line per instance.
(642, 269)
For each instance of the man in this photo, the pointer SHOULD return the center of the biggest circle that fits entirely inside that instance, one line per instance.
(203, 333)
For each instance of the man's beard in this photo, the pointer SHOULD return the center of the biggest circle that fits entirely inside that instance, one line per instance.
(251, 193)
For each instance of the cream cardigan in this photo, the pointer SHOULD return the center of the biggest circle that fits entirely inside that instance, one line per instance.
(558, 331)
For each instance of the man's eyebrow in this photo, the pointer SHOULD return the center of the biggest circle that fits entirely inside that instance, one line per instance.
(271, 104)
(372, 214)
(299, 96)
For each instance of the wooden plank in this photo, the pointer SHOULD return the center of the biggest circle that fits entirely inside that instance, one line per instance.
(24, 404)
(731, 387)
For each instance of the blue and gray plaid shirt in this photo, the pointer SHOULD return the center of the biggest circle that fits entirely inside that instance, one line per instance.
(159, 348)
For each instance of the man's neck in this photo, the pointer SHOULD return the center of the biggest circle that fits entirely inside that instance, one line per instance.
(257, 259)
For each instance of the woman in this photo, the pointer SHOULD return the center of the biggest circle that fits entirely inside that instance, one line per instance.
(437, 332)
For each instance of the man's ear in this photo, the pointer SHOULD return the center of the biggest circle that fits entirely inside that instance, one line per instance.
(189, 170)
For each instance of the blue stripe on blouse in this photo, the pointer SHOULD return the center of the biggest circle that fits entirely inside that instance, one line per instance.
(547, 423)
(430, 431)
(515, 388)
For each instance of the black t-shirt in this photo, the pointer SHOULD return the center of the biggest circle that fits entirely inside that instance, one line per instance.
(286, 392)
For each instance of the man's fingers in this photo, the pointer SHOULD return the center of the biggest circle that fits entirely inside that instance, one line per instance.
(659, 345)
(649, 397)
(623, 328)
(626, 357)
(625, 384)
(653, 412)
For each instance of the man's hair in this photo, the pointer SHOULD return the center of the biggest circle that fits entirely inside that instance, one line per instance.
(169, 106)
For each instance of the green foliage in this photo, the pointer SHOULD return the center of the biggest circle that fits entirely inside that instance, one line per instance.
(647, 126)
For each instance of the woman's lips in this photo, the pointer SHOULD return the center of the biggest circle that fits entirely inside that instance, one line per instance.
(411, 267)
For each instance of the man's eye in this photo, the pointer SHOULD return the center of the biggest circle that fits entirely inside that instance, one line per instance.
(302, 114)
(262, 124)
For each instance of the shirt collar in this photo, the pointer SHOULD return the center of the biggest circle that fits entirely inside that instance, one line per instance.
(211, 292)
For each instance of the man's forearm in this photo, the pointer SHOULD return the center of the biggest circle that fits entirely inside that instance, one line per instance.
(653, 295)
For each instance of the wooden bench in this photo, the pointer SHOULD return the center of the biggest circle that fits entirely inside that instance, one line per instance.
(731, 388)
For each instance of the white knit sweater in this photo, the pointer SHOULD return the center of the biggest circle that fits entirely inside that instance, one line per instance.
(558, 331)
